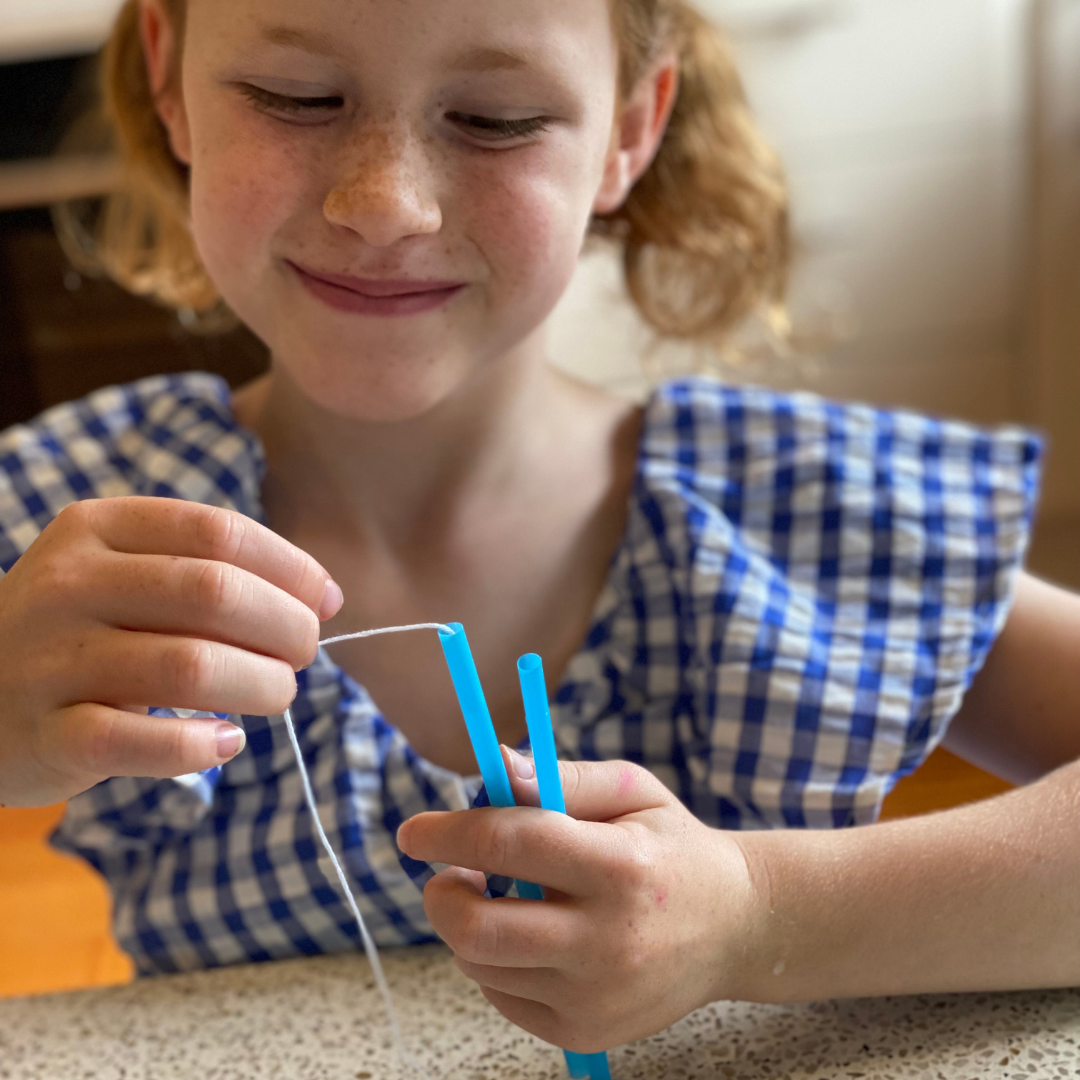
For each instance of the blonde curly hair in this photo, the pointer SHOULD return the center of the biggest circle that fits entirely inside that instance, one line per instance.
(704, 233)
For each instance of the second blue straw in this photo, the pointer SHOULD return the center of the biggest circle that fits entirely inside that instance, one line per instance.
(546, 759)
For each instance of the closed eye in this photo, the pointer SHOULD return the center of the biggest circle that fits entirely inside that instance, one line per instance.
(310, 107)
(493, 129)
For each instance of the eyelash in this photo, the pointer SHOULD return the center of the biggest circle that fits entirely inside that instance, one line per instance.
(507, 129)
(266, 99)
(501, 129)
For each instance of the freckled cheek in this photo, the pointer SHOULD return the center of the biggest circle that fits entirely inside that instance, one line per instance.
(243, 192)
(529, 232)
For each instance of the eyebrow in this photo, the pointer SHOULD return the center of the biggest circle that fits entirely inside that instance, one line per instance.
(489, 59)
(309, 40)
(475, 60)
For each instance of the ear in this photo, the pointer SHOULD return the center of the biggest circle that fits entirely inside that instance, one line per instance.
(160, 49)
(639, 126)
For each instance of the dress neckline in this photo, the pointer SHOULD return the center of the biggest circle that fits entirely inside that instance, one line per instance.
(599, 614)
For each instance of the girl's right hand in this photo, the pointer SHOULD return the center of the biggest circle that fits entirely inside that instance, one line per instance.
(125, 603)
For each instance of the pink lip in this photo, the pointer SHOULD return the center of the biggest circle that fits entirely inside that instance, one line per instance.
(373, 296)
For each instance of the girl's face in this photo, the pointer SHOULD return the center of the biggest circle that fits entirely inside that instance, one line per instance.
(393, 193)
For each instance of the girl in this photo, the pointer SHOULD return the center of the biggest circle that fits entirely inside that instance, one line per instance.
(776, 605)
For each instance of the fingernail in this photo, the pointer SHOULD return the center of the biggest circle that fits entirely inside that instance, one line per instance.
(332, 600)
(523, 767)
(402, 835)
(230, 740)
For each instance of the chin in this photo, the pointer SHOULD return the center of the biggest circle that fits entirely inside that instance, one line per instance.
(373, 389)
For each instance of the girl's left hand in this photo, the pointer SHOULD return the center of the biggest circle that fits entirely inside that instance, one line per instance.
(647, 915)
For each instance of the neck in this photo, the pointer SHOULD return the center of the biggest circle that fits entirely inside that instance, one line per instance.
(386, 481)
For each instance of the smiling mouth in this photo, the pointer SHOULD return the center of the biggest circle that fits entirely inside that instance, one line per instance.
(376, 296)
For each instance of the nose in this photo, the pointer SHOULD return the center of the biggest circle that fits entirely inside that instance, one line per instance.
(385, 193)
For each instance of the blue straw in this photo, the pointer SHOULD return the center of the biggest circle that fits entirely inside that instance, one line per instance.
(478, 723)
(546, 759)
(587, 1066)
(541, 737)
(474, 708)
(577, 1065)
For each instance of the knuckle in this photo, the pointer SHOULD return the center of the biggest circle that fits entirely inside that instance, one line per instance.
(636, 782)
(651, 786)
(219, 532)
(76, 515)
(94, 741)
(216, 588)
(496, 841)
(479, 937)
(190, 667)
(66, 529)
(635, 867)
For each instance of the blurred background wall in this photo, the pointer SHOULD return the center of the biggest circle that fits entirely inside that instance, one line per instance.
(933, 148)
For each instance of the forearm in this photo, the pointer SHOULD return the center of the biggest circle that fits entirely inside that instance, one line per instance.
(1019, 718)
(984, 897)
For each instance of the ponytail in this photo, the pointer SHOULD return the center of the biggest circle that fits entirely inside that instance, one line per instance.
(139, 235)
(705, 230)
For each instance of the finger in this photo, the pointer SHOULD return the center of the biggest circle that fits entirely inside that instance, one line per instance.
(506, 932)
(142, 525)
(533, 1016)
(607, 790)
(213, 600)
(521, 842)
(554, 1025)
(179, 672)
(545, 985)
(593, 790)
(522, 773)
(475, 878)
(91, 742)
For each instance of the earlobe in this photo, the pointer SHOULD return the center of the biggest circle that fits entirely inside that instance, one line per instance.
(159, 45)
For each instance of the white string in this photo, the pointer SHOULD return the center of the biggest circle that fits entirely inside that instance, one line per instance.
(388, 630)
(309, 795)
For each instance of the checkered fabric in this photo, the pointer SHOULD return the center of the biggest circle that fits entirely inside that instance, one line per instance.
(803, 592)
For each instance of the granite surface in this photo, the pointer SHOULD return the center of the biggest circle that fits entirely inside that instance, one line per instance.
(320, 1019)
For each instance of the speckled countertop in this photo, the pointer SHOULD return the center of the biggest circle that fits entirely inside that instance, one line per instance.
(320, 1019)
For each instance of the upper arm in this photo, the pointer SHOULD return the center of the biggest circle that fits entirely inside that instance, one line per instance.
(1021, 717)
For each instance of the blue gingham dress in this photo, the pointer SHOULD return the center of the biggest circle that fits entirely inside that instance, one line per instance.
(803, 592)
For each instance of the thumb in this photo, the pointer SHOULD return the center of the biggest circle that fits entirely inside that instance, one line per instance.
(592, 790)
